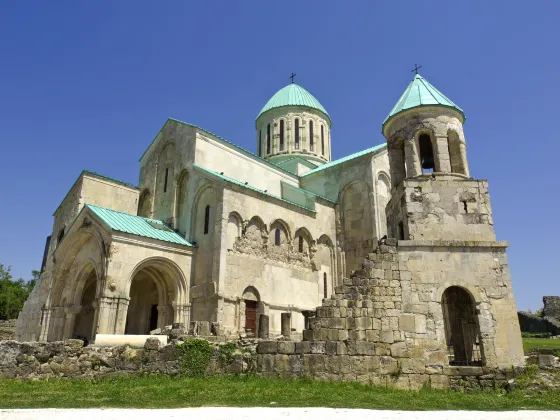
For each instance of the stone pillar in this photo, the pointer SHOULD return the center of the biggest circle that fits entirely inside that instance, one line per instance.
(397, 166)
(307, 315)
(181, 313)
(286, 324)
(263, 326)
(464, 162)
(163, 316)
(441, 154)
(45, 321)
(111, 315)
(411, 158)
(71, 312)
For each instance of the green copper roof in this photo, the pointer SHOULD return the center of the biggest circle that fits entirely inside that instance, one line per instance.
(345, 159)
(421, 93)
(136, 225)
(293, 95)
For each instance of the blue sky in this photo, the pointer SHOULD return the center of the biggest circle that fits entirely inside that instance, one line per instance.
(87, 85)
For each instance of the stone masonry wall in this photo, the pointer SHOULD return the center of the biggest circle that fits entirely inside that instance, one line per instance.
(551, 307)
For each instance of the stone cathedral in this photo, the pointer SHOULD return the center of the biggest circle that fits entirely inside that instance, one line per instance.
(216, 233)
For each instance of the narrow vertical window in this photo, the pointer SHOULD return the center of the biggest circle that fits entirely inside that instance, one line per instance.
(281, 134)
(277, 237)
(259, 146)
(322, 141)
(311, 135)
(400, 232)
(325, 285)
(296, 129)
(206, 219)
(165, 182)
(300, 244)
(268, 139)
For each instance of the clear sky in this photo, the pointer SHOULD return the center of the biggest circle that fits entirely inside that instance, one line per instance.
(87, 85)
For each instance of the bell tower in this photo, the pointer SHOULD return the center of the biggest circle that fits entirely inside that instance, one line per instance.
(433, 196)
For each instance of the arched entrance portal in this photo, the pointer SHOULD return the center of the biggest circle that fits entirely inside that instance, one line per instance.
(83, 324)
(251, 299)
(158, 297)
(142, 316)
(462, 334)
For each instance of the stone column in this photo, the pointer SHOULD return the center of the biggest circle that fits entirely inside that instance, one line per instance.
(411, 158)
(181, 313)
(45, 321)
(464, 162)
(163, 316)
(286, 324)
(441, 154)
(263, 326)
(111, 315)
(397, 166)
(71, 312)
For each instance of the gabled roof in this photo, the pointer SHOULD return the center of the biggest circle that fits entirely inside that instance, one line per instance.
(293, 95)
(346, 159)
(421, 93)
(136, 225)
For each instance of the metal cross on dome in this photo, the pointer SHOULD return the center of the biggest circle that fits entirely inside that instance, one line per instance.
(416, 68)
(292, 76)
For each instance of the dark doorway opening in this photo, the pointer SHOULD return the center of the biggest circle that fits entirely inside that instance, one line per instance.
(462, 335)
(153, 317)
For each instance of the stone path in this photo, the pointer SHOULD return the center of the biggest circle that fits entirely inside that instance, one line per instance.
(225, 413)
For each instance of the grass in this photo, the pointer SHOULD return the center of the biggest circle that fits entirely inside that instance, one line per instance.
(530, 343)
(166, 392)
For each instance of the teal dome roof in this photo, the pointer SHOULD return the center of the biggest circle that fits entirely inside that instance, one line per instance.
(293, 95)
(421, 93)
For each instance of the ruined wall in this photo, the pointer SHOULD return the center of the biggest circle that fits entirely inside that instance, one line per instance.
(7, 329)
(551, 307)
(531, 323)
(386, 327)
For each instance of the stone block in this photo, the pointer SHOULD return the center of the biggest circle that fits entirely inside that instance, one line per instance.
(286, 347)
(388, 365)
(342, 335)
(341, 348)
(407, 323)
(413, 366)
(267, 347)
(330, 348)
(153, 343)
(417, 381)
(386, 336)
(302, 347)
(546, 360)
(317, 347)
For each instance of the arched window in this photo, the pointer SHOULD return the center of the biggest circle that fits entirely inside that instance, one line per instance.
(60, 236)
(277, 237)
(281, 134)
(462, 333)
(259, 146)
(268, 139)
(206, 219)
(165, 182)
(325, 285)
(296, 133)
(322, 141)
(426, 153)
(311, 146)
(300, 244)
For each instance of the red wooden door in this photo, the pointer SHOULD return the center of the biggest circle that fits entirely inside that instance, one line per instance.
(251, 316)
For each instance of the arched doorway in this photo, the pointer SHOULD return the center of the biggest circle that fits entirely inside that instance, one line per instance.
(142, 315)
(158, 296)
(83, 324)
(251, 299)
(462, 335)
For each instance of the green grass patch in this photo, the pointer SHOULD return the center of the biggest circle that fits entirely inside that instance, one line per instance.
(539, 343)
(237, 391)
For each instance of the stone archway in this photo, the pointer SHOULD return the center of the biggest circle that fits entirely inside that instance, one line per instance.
(462, 333)
(158, 296)
(85, 316)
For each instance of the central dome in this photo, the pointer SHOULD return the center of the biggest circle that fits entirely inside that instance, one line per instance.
(293, 95)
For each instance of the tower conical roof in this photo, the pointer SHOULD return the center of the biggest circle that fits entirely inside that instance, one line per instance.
(293, 95)
(420, 92)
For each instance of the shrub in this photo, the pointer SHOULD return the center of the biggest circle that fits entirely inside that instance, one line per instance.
(194, 356)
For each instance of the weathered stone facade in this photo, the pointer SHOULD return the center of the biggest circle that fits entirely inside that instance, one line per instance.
(386, 261)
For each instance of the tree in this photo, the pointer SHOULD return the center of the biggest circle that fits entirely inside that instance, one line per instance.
(13, 293)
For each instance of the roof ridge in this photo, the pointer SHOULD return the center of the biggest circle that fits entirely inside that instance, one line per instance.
(345, 159)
